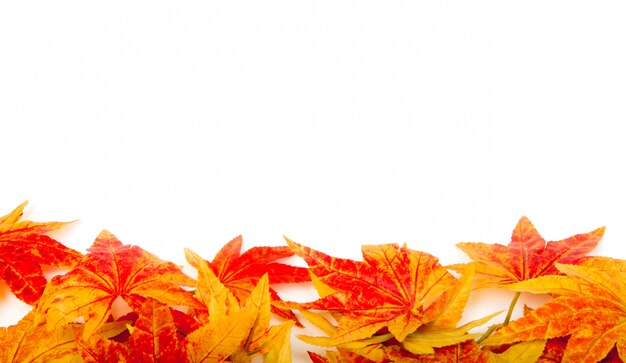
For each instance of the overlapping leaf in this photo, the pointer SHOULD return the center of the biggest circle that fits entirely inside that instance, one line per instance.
(111, 270)
(393, 288)
(24, 247)
(28, 341)
(153, 339)
(440, 332)
(589, 304)
(527, 255)
(235, 330)
(241, 272)
(397, 305)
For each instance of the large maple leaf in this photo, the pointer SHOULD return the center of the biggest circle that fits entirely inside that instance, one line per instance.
(112, 270)
(395, 288)
(24, 247)
(589, 304)
(441, 331)
(527, 255)
(241, 272)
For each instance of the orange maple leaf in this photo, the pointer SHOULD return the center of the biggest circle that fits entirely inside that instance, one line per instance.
(241, 272)
(589, 305)
(394, 288)
(527, 256)
(24, 247)
(112, 270)
(235, 330)
(153, 338)
(28, 341)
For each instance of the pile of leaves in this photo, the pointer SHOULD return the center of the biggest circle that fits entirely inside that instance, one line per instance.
(120, 303)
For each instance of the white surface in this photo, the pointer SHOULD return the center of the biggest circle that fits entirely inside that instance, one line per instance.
(334, 123)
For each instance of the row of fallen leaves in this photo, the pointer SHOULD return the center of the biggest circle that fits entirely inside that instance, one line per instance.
(397, 305)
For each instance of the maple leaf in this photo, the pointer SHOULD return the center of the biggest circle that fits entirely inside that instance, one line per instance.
(554, 350)
(241, 272)
(441, 331)
(522, 352)
(527, 256)
(340, 356)
(235, 330)
(30, 342)
(24, 247)
(153, 338)
(112, 270)
(98, 349)
(394, 288)
(589, 305)
(467, 351)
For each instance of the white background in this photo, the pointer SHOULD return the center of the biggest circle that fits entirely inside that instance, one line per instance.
(336, 123)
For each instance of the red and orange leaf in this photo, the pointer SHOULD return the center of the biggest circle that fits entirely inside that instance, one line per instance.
(394, 288)
(221, 337)
(527, 256)
(30, 342)
(554, 350)
(153, 337)
(241, 272)
(467, 351)
(340, 356)
(590, 307)
(316, 358)
(97, 349)
(24, 247)
(112, 270)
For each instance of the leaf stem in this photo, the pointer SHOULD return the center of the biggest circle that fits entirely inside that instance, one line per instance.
(506, 320)
(511, 307)
(488, 332)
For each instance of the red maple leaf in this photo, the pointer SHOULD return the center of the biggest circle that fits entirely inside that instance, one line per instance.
(527, 256)
(241, 272)
(24, 247)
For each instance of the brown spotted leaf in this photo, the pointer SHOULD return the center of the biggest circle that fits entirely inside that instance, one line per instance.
(527, 255)
(24, 247)
(112, 270)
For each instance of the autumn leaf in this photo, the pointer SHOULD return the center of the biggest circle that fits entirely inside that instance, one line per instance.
(527, 255)
(30, 342)
(235, 330)
(112, 270)
(467, 351)
(340, 356)
(153, 339)
(241, 272)
(98, 349)
(394, 288)
(24, 247)
(440, 332)
(589, 305)
(522, 352)
(554, 350)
